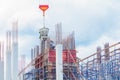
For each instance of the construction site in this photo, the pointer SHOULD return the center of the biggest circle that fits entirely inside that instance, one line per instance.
(56, 59)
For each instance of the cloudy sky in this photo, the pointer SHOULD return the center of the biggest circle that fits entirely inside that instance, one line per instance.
(95, 22)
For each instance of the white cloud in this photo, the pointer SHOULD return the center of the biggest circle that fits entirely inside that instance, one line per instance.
(26, 42)
(84, 51)
(79, 15)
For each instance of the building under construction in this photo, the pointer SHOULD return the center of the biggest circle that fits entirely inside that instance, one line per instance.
(102, 65)
(56, 59)
(9, 54)
(44, 58)
(52, 58)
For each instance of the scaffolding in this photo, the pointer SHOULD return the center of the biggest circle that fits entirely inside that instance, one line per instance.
(103, 65)
(45, 69)
(43, 63)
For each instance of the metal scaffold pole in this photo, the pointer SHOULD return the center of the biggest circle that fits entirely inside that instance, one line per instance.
(103, 65)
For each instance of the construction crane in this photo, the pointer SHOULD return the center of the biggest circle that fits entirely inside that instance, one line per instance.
(43, 31)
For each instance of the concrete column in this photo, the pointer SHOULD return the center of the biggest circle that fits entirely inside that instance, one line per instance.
(15, 61)
(7, 58)
(59, 62)
(99, 55)
(7, 62)
(1, 70)
(107, 54)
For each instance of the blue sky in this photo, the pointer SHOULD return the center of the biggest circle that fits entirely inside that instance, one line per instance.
(95, 22)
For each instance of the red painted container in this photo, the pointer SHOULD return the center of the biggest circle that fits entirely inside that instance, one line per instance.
(43, 8)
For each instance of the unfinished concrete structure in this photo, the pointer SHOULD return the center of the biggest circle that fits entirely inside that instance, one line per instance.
(1, 60)
(11, 55)
(44, 64)
(102, 65)
(7, 61)
(14, 56)
(59, 62)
